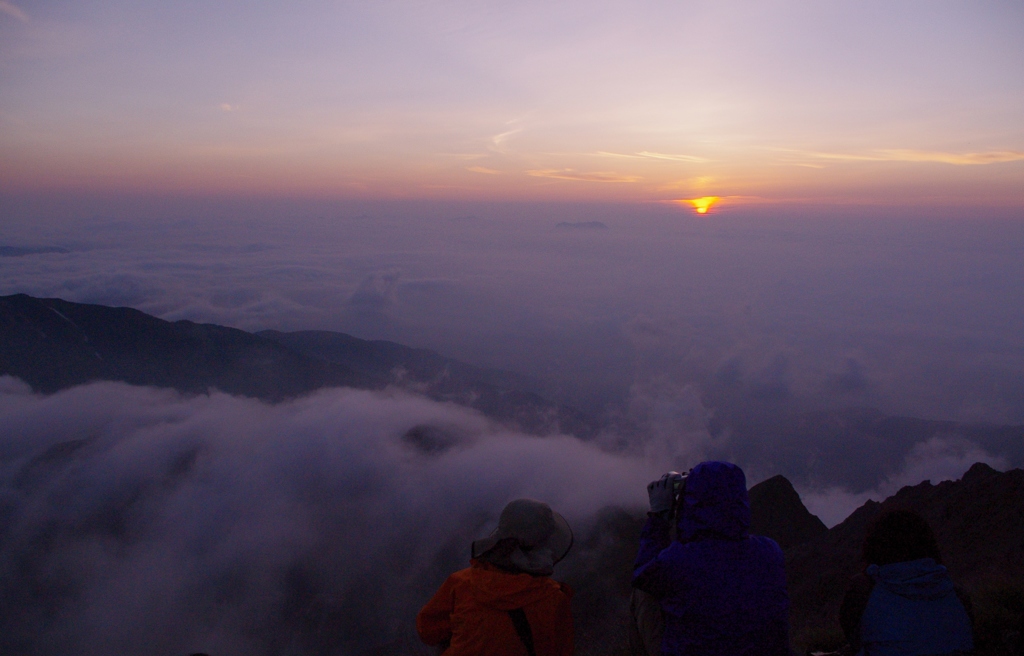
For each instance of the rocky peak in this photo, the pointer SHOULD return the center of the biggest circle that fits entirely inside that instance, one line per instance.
(777, 512)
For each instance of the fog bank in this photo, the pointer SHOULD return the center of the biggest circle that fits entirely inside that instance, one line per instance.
(139, 521)
(136, 521)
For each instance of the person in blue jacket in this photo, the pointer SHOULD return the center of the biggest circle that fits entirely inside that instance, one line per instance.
(720, 589)
(904, 603)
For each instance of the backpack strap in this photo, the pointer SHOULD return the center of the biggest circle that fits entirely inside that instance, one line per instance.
(523, 629)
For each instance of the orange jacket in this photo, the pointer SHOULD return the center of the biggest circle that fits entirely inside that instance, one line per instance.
(471, 611)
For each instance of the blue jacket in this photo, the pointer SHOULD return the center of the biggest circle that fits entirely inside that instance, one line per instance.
(913, 609)
(722, 591)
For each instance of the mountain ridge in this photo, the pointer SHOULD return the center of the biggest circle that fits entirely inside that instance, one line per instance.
(53, 344)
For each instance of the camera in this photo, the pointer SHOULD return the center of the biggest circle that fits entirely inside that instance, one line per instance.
(678, 487)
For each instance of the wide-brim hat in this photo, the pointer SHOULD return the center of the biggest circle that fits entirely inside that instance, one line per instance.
(542, 535)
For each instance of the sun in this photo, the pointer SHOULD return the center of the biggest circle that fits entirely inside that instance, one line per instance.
(700, 205)
(703, 204)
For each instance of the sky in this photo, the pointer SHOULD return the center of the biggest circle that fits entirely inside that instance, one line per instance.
(916, 102)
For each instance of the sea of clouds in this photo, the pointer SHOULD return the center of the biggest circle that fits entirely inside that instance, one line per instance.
(136, 520)
(140, 521)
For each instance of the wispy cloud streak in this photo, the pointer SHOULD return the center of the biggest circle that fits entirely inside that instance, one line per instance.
(12, 10)
(645, 154)
(570, 174)
(498, 140)
(924, 156)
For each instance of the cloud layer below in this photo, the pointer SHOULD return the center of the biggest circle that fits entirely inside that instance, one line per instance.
(136, 521)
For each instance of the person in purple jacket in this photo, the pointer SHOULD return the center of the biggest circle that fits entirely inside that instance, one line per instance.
(720, 589)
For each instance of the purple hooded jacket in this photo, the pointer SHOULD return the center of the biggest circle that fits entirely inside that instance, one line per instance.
(722, 590)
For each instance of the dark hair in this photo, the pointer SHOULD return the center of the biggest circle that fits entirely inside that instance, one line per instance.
(899, 536)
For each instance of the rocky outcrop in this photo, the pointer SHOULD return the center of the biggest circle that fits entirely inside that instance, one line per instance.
(777, 512)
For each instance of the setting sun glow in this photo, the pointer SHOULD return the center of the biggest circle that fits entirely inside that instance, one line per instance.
(703, 204)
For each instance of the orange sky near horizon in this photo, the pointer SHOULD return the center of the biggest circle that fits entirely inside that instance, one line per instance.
(757, 179)
(790, 102)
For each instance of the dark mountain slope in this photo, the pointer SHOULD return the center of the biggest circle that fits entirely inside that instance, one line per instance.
(500, 394)
(54, 344)
(979, 524)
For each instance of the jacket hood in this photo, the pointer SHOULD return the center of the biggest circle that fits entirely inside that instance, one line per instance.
(715, 503)
(913, 579)
(504, 591)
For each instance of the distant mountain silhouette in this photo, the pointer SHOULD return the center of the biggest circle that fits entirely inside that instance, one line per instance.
(979, 524)
(18, 251)
(500, 394)
(581, 225)
(54, 344)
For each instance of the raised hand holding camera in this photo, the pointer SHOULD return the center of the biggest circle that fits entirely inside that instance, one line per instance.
(664, 492)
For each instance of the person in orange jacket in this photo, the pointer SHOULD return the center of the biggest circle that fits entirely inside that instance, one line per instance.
(505, 603)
